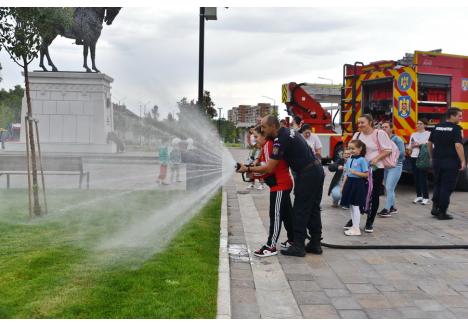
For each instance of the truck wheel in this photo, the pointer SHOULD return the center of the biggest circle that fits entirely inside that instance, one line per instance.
(338, 153)
(463, 177)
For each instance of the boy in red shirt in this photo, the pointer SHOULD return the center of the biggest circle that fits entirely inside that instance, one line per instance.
(280, 183)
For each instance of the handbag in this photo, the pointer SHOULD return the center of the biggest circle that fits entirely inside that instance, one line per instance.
(423, 161)
(389, 161)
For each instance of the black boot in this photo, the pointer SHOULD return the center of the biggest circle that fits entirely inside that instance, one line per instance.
(443, 215)
(314, 245)
(294, 250)
(435, 210)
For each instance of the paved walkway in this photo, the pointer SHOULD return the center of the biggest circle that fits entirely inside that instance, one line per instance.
(348, 283)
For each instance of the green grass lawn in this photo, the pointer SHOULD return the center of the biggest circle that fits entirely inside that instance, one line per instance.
(49, 267)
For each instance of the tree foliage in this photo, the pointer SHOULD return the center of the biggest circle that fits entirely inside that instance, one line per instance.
(208, 106)
(228, 131)
(22, 29)
(21, 33)
(10, 106)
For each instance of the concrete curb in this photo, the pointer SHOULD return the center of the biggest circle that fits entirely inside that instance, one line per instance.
(224, 280)
(274, 295)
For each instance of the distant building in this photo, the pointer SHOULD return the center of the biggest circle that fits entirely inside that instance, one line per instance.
(247, 115)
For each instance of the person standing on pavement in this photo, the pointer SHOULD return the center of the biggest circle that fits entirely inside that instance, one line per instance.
(392, 175)
(175, 159)
(280, 183)
(378, 146)
(446, 151)
(337, 181)
(312, 140)
(297, 123)
(418, 139)
(290, 146)
(355, 185)
(163, 161)
(254, 152)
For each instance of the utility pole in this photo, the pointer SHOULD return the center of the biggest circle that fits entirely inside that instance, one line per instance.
(219, 122)
(208, 13)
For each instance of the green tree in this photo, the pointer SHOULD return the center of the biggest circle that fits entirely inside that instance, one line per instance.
(21, 31)
(228, 131)
(10, 105)
(208, 106)
(186, 108)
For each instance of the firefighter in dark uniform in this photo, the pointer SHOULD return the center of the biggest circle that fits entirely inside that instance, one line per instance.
(290, 146)
(445, 147)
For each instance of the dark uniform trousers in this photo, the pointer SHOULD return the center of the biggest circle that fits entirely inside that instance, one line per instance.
(307, 197)
(445, 180)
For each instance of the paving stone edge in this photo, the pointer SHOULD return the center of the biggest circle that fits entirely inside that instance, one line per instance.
(224, 281)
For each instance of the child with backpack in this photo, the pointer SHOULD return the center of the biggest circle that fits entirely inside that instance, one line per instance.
(355, 188)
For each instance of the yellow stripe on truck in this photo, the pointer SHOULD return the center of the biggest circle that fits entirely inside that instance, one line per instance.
(460, 105)
(284, 93)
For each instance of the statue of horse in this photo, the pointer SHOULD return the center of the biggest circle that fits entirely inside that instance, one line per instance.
(86, 29)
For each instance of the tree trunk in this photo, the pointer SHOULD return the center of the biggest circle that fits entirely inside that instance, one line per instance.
(37, 207)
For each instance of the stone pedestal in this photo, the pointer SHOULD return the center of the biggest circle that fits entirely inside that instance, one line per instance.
(74, 112)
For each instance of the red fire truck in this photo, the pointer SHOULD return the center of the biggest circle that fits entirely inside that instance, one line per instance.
(421, 85)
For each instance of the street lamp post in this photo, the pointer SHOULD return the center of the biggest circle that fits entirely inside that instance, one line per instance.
(208, 13)
(142, 105)
(274, 101)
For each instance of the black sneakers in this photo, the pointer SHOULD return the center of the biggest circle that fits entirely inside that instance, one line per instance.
(294, 250)
(393, 210)
(348, 225)
(286, 244)
(385, 213)
(369, 228)
(265, 251)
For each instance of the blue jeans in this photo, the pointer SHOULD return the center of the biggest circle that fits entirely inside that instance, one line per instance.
(391, 178)
(336, 194)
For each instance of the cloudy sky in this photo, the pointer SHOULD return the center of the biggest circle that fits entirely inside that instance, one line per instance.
(152, 53)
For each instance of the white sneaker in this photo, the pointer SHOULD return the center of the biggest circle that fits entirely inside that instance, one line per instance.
(353, 231)
(250, 186)
(417, 200)
(260, 187)
(425, 201)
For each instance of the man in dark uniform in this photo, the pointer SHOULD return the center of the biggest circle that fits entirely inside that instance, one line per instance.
(448, 158)
(290, 146)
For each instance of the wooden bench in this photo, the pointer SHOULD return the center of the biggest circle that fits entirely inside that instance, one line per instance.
(52, 165)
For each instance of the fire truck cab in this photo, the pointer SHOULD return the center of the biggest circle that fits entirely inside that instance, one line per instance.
(421, 85)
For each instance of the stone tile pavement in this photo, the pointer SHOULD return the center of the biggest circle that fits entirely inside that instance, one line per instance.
(349, 283)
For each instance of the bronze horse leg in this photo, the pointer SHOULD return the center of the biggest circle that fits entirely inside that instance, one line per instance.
(85, 56)
(44, 50)
(92, 47)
